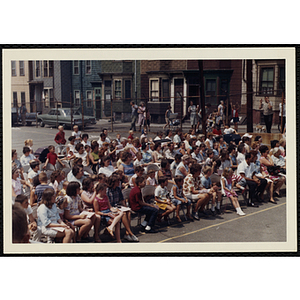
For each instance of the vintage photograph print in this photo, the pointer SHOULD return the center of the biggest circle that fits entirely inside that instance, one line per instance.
(149, 150)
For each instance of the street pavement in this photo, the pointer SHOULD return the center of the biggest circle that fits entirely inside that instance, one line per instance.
(267, 223)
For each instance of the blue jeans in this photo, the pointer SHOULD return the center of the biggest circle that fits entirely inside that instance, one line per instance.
(151, 214)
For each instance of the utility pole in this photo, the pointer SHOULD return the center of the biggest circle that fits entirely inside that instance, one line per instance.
(249, 97)
(202, 96)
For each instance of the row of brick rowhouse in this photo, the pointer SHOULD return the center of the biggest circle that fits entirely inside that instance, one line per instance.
(105, 87)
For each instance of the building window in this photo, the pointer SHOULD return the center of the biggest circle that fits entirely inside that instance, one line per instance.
(21, 66)
(13, 68)
(281, 83)
(154, 90)
(77, 98)
(23, 100)
(88, 98)
(165, 90)
(76, 67)
(210, 91)
(127, 89)
(45, 68)
(178, 89)
(15, 99)
(118, 89)
(50, 68)
(88, 67)
(37, 69)
(267, 81)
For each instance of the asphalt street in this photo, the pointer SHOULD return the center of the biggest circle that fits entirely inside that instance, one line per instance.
(267, 223)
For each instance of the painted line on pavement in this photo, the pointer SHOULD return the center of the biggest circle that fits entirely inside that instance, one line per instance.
(222, 223)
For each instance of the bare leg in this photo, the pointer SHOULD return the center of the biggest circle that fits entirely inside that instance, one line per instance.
(85, 226)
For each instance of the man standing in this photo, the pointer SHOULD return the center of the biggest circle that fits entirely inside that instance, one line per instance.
(134, 114)
(282, 115)
(267, 108)
(23, 111)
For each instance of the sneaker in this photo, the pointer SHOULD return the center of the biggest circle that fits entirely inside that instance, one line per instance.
(128, 238)
(134, 238)
(195, 216)
(241, 213)
(144, 223)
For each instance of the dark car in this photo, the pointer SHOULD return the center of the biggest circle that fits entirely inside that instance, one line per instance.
(16, 117)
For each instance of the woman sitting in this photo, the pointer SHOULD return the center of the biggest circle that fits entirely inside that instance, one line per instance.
(277, 180)
(127, 165)
(116, 199)
(76, 216)
(49, 219)
(106, 168)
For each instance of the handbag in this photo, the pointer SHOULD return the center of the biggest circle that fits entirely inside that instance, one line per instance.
(273, 170)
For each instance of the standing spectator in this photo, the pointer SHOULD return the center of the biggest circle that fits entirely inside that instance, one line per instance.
(23, 111)
(142, 114)
(193, 109)
(134, 115)
(282, 115)
(60, 139)
(235, 115)
(148, 119)
(220, 114)
(167, 116)
(267, 108)
(77, 134)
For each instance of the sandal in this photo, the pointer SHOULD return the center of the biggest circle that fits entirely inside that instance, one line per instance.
(178, 219)
(110, 232)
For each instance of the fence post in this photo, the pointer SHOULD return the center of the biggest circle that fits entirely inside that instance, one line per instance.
(82, 111)
(111, 115)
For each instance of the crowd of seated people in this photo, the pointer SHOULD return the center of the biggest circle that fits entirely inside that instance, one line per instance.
(66, 196)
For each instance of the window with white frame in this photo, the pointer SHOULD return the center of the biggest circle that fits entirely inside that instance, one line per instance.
(21, 67)
(88, 67)
(118, 89)
(13, 68)
(76, 67)
(37, 68)
(154, 90)
(267, 81)
(89, 98)
(77, 97)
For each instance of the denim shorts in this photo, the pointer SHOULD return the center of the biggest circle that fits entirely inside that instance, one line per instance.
(106, 211)
(178, 202)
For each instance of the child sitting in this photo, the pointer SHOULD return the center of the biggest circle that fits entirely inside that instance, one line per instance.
(111, 214)
(178, 198)
(162, 198)
(227, 188)
(151, 178)
(207, 183)
(35, 169)
(29, 143)
(139, 171)
(52, 158)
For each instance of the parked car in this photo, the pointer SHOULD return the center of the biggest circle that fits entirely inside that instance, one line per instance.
(62, 116)
(16, 117)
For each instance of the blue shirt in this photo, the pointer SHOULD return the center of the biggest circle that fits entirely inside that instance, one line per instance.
(206, 182)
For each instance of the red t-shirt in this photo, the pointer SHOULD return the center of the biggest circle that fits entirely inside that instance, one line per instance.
(60, 138)
(52, 158)
(134, 197)
(217, 132)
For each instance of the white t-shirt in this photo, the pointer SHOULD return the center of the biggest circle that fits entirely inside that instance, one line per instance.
(32, 174)
(240, 158)
(248, 170)
(77, 135)
(84, 157)
(161, 193)
(229, 131)
(107, 171)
